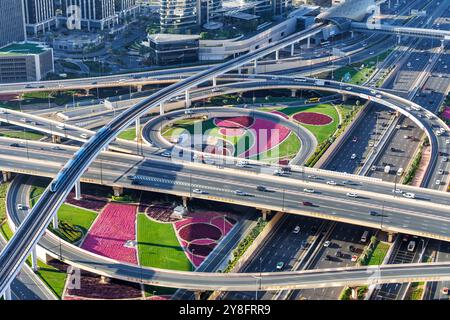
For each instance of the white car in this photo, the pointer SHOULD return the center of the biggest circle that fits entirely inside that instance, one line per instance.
(409, 195)
(84, 136)
(398, 191)
(441, 171)
(331, 182)
(438, 182)
(240, 193)
(296, 229)
(354, 258)
(19, 206)
(198, 191)
(444, 159)
(166, 154)
(447, 141)
(352, 194)
(308, 190)
(326, 244)
(353, 157)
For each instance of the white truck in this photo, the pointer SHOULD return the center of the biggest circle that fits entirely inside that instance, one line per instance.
(387, 169)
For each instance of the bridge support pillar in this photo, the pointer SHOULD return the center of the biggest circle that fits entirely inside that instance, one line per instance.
(264, 213)
(277, 55)
(185, 201)
(198, 295)
(354, 294)
(391, 237)
(187, 99)
(293, 93)
(352, 34)
(139, 88)
(87, 91)
(344, 97)
(239, 70)
(34, 264)
(399, 39)
(118, 191)
(161, 109)
(56, 139)
(214, 81)
(308, 42)
(292, 49)
(6, 176)
(55, 221)
(255, 66)
(7, 294)
(442, 43)
(77, 190)
(138, 128)
(104, 280)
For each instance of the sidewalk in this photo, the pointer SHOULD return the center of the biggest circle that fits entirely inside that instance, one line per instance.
(426, 154)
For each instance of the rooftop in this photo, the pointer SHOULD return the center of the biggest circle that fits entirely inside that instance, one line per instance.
(167, 37)
(25, 48)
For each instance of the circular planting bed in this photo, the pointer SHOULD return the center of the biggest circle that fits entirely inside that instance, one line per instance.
(195, 231)
(313, 118)
(200, 250)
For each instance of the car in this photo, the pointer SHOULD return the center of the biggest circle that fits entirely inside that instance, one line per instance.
(409, 195)
(198, 191)
(339, 254)
(348, 88)
(166, 154)
(327, 243)
(240, 164)
(331, 182)
(61, 126)
(397, 190)
(371, 144)
(296, 229)
(411, 246)
(312, 176)
(351, 248)
(304, 244)
(374, 168)
(307, 203)
(441, 171)
(353, 156)
(352, 194)
(438, 182)
(354, 258)
(131, 177)
(84, 136)
(444, 290)
(355, 139)
(280, 265)
(329, 257)
(261, 188)
(23, 120)
(379, 96)
(373, 213)
(444, 159)
(447, 141)
(58, 148)
(240, 193)
(15, 145)
(308, 190)
(20, 206)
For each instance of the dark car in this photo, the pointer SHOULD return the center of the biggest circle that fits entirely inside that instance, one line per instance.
(307, 203)
(261, 188)
(373, 213)
(14, 145)
(339, 254)
(351, 248)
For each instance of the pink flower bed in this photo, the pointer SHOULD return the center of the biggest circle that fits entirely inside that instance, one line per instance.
(446, 113)
(88, 201)
(268, 135)
(313, 118)
(231, 132)
(200, 232)
(113, 228)
(234, 122)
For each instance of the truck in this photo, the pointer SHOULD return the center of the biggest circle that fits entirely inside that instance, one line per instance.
(387, 169)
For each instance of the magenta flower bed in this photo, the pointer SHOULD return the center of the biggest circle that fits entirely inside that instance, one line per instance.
(268, 134)
(313, 118)
(112, 229)
(446, 113)
(89, 202)
(234, 122)
(200, 232)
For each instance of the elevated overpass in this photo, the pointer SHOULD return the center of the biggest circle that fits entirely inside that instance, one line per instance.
(443, 35)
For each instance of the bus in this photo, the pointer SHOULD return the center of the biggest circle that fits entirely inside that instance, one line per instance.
(364, 236)
(313, 100)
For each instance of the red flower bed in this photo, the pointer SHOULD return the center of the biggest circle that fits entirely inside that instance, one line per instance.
(110, 232)
(313, 118)
(234, 122)
(89, 202)
(199, 231)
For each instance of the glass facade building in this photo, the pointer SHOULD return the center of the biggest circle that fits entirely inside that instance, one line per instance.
(12, 23)
(179, 16)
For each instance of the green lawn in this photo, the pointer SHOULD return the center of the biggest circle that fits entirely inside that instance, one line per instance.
(22, 135)
(129, 134)
(158, 245)
(3, 189)
(378, 254)
(52, 277)
(320, 132)
(288, 148)
(74, 222)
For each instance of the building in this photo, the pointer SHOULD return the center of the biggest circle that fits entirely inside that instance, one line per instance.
(40, 15)
(210, 9)
(21, 62)
(89, 14)
(12, 22)
(126, 8)
(281, 7)
(179, 16)
(173, 49)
